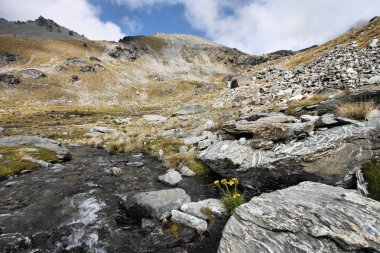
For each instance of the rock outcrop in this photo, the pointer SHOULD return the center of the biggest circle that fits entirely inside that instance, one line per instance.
(331, 156)
(309, 217)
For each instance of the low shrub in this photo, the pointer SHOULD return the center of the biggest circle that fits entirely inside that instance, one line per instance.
(355, 110)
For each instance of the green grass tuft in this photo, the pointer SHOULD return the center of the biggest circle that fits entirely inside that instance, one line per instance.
(371, 174)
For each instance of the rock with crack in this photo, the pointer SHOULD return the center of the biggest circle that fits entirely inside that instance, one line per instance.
(189, 220)
(309, 217)
(171, 178)
(63, 153)
(156, 204)
(330, 156)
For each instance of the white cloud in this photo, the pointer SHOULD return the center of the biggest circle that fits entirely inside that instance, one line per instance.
(133, 25)
(77, 15)
(261, 26)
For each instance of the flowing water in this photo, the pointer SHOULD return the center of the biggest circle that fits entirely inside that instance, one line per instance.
(78, 207)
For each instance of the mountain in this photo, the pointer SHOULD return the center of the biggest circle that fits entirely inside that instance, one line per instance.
(39, 28)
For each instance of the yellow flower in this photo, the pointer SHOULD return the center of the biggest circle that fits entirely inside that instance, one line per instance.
(224, 181)
(236, 195)
(231, 183)
(216, 182)
(235, 180)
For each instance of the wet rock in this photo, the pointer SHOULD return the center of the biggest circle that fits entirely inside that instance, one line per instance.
(329, 156)
(12, 141)
(32, 73)
(135, 164)
(155, 119)
(15, 242)
(115, 171)
(189, 220)
(187, 172)
(188, 109)
(171, 177)
(9, 80)
(310, 217)
(87, 68)
(75, 61)
(205, 208)
(157, 204)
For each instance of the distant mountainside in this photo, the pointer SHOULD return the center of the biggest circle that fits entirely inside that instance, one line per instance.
(40, 28)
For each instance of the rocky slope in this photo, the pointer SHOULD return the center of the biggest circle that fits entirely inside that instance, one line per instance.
(39, 28)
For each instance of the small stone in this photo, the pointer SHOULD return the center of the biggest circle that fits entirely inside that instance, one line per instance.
(190, 221)
(182, 149)
(187, 172)
(2, 129)
(242, 141)
(135, 164)
(171, 177)
(116, 171)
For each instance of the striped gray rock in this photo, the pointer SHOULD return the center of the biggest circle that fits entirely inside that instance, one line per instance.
(309, 217)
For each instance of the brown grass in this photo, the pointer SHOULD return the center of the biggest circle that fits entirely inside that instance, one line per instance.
(355, 110)
(315, 99)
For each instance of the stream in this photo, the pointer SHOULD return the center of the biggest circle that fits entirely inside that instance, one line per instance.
(77, 206)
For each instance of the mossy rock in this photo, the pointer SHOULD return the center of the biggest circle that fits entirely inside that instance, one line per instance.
(12, 162)
(371, 174)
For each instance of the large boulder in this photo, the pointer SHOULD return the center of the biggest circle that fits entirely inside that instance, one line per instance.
(63, 153)
(156, 204)
(309, 217)
(330, 156)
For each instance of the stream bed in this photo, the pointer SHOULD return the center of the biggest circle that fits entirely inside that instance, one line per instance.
(77, 206)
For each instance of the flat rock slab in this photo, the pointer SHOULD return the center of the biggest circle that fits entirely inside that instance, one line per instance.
(309, 217)
(189, 220)
(13, 141)
(157, 204)
(188, 109)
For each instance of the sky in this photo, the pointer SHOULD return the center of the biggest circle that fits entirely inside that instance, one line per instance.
(252, 26)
